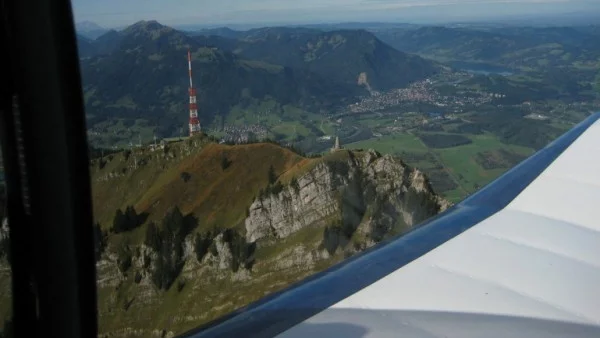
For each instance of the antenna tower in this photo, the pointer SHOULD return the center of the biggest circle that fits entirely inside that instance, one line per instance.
(194, 121)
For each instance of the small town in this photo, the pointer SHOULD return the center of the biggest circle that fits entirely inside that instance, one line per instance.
(422, 92)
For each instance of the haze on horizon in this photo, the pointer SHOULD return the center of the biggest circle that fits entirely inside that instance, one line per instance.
(115, 13)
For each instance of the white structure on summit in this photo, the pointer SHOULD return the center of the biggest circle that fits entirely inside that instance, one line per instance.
(336, 146)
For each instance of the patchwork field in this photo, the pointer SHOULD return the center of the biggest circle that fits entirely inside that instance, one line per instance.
(454, 171)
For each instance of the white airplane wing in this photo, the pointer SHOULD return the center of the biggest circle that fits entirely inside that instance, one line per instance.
(520, 258)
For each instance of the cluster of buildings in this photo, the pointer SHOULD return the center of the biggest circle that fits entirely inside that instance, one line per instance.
(424, 92)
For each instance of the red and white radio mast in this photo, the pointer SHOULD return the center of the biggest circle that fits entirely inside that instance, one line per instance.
(194, 121)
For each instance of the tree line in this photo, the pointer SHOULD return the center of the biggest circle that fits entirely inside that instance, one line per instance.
(168, 242)
(128, 220)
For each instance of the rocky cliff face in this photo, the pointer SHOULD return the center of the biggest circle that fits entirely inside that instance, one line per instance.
(365, 192)
(313, 214)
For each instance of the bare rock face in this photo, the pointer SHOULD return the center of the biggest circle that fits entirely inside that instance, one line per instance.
(419, 182)
(346, 190)
(287, 212)
(188, 248)
(444, 204)
(224, 257)
(363, 80)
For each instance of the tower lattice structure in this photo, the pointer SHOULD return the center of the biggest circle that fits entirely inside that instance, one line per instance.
(194, 121)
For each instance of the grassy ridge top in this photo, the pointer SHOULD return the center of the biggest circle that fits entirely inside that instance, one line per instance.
(218, 196)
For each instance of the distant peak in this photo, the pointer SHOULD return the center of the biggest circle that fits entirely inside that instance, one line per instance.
(152, 27)
(88, 25)
(151, 24)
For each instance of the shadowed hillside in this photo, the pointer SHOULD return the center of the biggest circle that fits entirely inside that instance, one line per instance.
(343, 56)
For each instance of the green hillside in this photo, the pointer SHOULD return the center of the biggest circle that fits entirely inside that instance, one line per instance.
(172, 225)
(144, 77)
(214, 183)
(157, 184)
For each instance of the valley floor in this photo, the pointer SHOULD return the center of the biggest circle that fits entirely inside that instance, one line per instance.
(455, 172)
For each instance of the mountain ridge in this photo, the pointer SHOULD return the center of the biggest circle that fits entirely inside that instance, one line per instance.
(89, 29)
(510, 46)
(236, 248)
(342, 55)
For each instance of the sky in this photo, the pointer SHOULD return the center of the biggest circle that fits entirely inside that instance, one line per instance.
(116, 13)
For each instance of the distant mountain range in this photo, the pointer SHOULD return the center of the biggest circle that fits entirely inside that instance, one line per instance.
(512, 46)
(90, 30)
(86, 46)
(340, 55)
(141, 71)
(563, 60)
